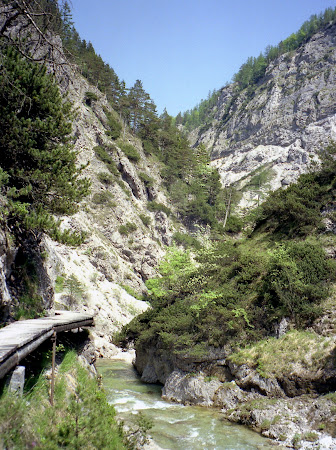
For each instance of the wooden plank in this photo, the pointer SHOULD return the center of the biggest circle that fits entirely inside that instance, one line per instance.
(20, 338)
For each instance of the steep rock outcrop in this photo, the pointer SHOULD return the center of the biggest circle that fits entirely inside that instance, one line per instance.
(7, 256)
(279, 127)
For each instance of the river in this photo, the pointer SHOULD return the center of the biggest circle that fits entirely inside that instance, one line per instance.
(174, 426)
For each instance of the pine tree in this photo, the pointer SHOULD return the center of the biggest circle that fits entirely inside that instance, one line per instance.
(37, 161)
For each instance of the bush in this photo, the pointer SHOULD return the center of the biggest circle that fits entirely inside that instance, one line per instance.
(80, 418)
(103, 198)
(103, 154)
(234, 224)
(154, 206)
(105, 178)
(128, 228)
(146, 220)
(113, 124)
(106, 158)
(186, 240)
(295, 282)
(90, 97)
(129, 151)
(75, 289)
(149, 181)
(148, 147)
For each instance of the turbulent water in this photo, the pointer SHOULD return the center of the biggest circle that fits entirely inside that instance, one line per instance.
(174, 426)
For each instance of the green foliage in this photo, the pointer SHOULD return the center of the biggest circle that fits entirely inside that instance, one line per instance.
(128, 149)
(154, 206)
(233, 291)
(128, 228)
(296, 281)
(186, 240)
(13, 411)
(130, 291)
(104, 198)
(104, 154)
(80, 418)
(90, 97)
(30, 303)
(201, 115)
(149, 181)
(59, 284)
(276, 356)
(113, 124)
(105, 178)
(148, 147)
(74, 288)
(295, 211)
(146, 220)
(39, 176)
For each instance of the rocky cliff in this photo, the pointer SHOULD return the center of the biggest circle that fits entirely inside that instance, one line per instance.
(264, 137)
(124, 240)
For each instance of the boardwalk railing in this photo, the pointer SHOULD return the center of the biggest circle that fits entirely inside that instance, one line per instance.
(20, 338)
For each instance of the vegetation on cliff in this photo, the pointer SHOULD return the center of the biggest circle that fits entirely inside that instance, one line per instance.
(254, 69)
(236, 291)
(38, 172)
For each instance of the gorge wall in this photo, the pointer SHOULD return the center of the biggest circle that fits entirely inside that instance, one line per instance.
(273, 130)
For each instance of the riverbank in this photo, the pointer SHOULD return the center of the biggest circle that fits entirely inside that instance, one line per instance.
(306, 421)
(175, 426)
(283, 388)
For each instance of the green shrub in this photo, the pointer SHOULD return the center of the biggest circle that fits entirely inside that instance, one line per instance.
(146, 220)
(90, 97)
(295, 282)
(234, 224)
(131, 153)
(106, 158)
(128, 228)
(148, 147)
(113, 124)
(81, 417)
(75, 289)
(186, 240)
(154, 206)
(103, 154)
(105, 178)
(103, 198)
(149, 181)
(265, 425)
(311, 436)
(59, 284)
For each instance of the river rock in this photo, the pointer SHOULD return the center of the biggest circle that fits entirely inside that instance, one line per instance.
(186, 388)
(248, 379)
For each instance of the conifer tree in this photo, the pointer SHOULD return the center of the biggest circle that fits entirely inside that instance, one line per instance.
(37, 161)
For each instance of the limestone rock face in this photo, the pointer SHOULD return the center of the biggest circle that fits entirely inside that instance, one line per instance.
(124, 240)
(7, 255)
(184, 388)
(278, 128)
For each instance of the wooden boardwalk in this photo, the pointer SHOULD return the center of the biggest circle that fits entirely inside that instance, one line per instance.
(20, 338)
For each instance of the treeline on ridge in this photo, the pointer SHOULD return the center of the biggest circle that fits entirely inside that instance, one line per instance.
(253, 70)
(194, 187)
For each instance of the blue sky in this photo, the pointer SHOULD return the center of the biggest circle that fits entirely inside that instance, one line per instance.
(183, 49)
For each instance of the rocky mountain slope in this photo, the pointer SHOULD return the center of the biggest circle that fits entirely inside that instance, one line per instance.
(264, 138)
(123, 239)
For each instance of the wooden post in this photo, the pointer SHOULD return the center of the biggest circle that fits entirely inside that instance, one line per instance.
(52, 387)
